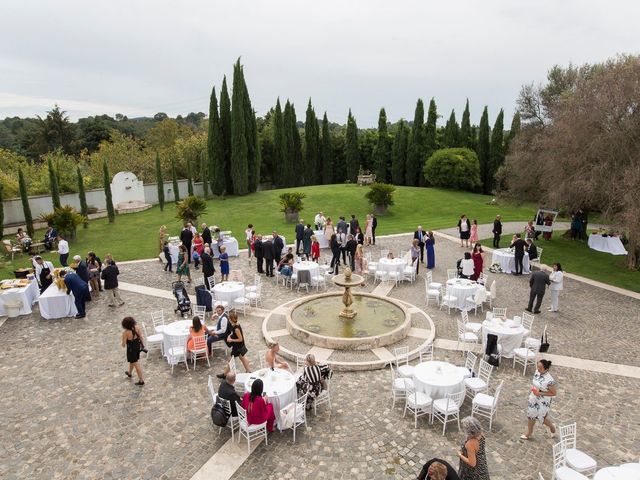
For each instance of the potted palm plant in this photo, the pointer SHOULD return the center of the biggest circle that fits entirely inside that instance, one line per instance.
(291, 205)
(380, 195)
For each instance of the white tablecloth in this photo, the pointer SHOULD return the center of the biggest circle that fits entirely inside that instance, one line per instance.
(438, 379)
(228, 291)
(55, 303)
(312, 267)
(179, 329)
(611, 245)
(461, 288)
(279, 385)
(284, 241)
(507, 260)
(392, 265)
(322, 240)
(509, 335)
(230, 243)
(628, 471)
(26, 295)
(173, 250)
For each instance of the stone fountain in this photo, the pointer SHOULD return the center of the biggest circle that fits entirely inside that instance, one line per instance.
(347, 280)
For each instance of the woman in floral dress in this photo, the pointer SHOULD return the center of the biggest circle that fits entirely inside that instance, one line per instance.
(543, 389)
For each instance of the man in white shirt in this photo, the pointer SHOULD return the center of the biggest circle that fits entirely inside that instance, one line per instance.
(320, 221)
(63, 251)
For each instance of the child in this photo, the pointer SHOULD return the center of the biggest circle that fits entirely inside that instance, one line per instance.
(224, 263)
(167, 256)
(315, 249)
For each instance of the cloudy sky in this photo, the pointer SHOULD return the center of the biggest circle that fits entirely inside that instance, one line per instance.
(139, 57)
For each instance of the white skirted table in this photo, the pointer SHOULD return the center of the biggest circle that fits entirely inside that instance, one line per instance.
(312, 267)
(607, 244)
(55, 303)
(438, 379)
(461, 288)
(507, 260)
(392, 265)
(508, 332)
(178, 329)
(230, 244)
(228, 291)
(25, 296)
(322, 239)
(279, 385)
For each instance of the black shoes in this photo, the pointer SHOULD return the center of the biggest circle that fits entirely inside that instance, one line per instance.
(220, 375)
(80, 316)
(127, 374)
(528, 310)
(536, 311)
(140, 383)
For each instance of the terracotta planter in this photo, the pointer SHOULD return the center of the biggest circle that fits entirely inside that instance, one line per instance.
(380, 209)
(291, 217)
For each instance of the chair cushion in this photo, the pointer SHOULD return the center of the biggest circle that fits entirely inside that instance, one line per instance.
(435, 285)
(475, 383)
(473, 326)
(469, 337)
(420, 400)
(433, 292)
(532, 342)
(566, 473)
(159, 328)
(405, 370)
(441, 406)
(251, 288)
(483, 400)
(158, 337)
(522, 352)
(579, 460)
(450, 298)
(402, 383)
(175, 351)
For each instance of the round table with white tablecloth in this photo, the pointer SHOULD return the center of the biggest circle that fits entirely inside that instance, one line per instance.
(509, 334)
(279, 385)
(627, 471)
(607, 244)
(179, 329)
(312, 267)
(228, 291)
(507, 260)
(230, 244)
(461, 288)
(392, 265)
(322, 239)
(438, 379)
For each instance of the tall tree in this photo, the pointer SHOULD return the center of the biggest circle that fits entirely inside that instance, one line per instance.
(300, 167)
(382, 152)
(53, 183)
(465, 139)
(26, 209)
(203, 173)
(327, 154)
(513, 131)
(215, 148)
(451, 131)
(84, 210)
(225, 128)
(239, 147)
(159, 182)
(279, 148)
(253, 151)
(399, 153)
(174, 177)
(496, 146)
(106, 178)
(189, 176)
(352, 152)
(311, 145)
(484, 152)
(430, 131)
(1, 210)
(415, 157)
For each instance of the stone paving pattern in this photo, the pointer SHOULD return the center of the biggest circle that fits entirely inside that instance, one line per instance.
(69, 412)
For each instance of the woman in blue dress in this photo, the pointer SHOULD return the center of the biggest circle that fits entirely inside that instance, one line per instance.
(224, 263)
(431, 252)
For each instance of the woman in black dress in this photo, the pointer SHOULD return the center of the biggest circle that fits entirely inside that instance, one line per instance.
(473, 458)
(236, 341)
(132, 339)
(464, 228)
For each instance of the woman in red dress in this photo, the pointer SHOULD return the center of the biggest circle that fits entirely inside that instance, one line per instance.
(257, 405)
(478, 261)
(315, 249)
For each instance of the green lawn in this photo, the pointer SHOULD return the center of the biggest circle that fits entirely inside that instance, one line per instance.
(135, 236)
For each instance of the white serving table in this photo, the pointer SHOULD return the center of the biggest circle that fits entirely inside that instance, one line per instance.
(438, 379)
(462, 288)
(611, 245)
(507, 260)
(173, 251)
(26, 296)
(322, 239)
(230, 243)
(279, 385)
(392, 265)
(228, 291)
(55, 303)
(509, 335)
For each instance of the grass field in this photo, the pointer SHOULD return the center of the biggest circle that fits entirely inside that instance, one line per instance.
(135, 236)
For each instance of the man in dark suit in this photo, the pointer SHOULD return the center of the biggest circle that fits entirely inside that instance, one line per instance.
(206, 234)
(351, 247)
(353, 225)
(497, 231)
(227, 391)
(532, 249)
(519, 246)
(341, 226)
(268, 253)
(49, 237)
(186, 237)
(374, 225)
(538, 283)
(278, 246)
(80, 290)
(207, 266)
(258, 252)
(421, 236)
(80, 268)
(299, 235)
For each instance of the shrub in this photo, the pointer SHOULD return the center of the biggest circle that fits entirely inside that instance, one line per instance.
(65, 220)
(381, 194)
(291, 202)
(455, 168)
(189, 209)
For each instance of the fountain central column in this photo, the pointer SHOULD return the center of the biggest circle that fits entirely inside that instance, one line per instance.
(347, 280)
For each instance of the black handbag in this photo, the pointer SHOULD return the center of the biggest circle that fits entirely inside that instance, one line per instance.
(544, 341)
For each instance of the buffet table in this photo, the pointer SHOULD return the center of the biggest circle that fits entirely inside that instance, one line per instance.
(55, 303)
(607, 244)
(26, 296)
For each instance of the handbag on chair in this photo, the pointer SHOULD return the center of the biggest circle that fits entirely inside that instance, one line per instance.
(544, 341)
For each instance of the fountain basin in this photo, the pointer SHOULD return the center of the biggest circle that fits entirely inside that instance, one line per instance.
(380, 321)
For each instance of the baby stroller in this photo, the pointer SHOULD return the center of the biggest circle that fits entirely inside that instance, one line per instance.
(182, 297)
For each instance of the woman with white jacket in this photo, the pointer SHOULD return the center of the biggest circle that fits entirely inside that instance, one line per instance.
(556, 278)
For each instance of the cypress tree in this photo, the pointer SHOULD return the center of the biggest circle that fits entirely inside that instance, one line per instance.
(352, 152)
(203, 174)
(26, 209)
(513, 131)
(215, 148)
(1, 210)
(84, 210)
(484, 153)
(451, 131)
(496, 147)
(239, 147)
(311, 145)
(189, 176)
(465, 139)
(225, 130)
(159, 182)
(327, 154)
(53, 183)
(174, 177)
(430, 144)
(399, 153)
(279, 148)
(290, 173)
(299, 166)
(253, 154)
(381, 154)
(415, 156)
(106, 178)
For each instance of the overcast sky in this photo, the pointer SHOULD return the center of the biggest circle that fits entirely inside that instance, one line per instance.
(139, 57)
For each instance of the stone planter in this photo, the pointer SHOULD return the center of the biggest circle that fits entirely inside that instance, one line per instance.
(291, 217)
(380, 209)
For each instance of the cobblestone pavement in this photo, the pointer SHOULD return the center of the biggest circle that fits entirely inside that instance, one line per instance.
(68, 411)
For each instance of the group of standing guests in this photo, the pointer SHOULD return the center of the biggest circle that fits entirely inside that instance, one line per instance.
(423, 240)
